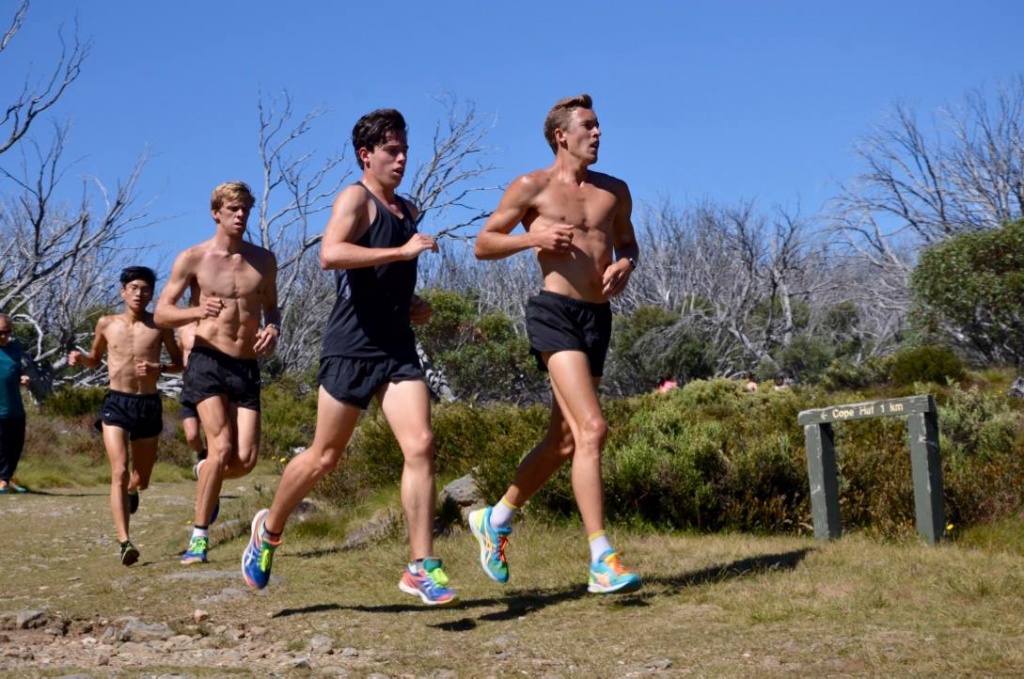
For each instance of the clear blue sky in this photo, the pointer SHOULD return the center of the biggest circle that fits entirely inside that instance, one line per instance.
(726, 100)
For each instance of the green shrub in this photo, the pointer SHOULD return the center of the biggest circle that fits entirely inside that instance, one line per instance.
(938, 365)
(708, 457)
(845, 374)
(74, 401)
(288, 415)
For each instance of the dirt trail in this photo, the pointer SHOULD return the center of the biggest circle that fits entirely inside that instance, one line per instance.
(66, 602)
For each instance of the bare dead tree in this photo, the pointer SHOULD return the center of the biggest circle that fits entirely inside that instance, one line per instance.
(922, 185)
(732, 275)
(38, 97)
(298, 185)
(445, 186)
(59, 257)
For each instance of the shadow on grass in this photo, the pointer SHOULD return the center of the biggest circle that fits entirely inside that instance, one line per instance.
(50, 493)
(524, 602)
(786, 561)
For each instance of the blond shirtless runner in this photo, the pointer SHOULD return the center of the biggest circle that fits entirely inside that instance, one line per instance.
(131, 416)
(578, 222)
(238, 321)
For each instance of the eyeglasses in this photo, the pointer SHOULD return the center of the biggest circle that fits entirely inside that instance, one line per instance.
(5, 333)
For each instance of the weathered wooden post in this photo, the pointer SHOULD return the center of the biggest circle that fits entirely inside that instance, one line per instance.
(923, 425)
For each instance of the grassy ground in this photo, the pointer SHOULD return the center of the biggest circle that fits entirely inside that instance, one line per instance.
(730, 605)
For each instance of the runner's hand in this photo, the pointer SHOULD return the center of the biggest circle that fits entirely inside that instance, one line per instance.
(420, 242)
(616, 275)
(554, 238)
(143, 368)
(266, 341)
(212, 306)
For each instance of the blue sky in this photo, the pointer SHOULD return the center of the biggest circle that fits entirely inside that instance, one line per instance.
(728, 100)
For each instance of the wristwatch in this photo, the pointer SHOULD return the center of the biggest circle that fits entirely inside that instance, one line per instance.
(632, 263)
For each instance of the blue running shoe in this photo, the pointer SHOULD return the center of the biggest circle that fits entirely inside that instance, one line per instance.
(608, 576)
(215, 513)
(492, 544)
(196, 552)
(429, 582)
(258, 556)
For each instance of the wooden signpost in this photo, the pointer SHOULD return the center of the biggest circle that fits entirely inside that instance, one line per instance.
(923, 425)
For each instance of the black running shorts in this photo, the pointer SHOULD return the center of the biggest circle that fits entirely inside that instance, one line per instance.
(356, 380)
(214, 373)
(558, 323)
(141, 415)
(187, 410)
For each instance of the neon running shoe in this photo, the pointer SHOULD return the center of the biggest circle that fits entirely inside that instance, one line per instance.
(258, 556)
(429, 583)
(196, 552)
(12, 487)
(607, 575)
(129, 554)
(133, 502)
(492, 544)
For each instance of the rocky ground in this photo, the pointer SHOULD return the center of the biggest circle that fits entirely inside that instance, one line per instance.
(68, 608)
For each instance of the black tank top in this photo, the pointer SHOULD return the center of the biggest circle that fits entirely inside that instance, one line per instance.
(370, 318)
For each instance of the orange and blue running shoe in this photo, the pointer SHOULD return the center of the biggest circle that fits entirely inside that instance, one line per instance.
(12, 487)
(196, 552)
(258, 556)
(607, 575)
(428, 582)
(492, 544)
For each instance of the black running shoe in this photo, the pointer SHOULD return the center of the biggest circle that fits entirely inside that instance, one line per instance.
(129, 554)
(133, 502)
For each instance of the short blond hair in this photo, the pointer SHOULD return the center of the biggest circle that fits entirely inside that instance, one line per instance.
(230, 191)
(560, 115)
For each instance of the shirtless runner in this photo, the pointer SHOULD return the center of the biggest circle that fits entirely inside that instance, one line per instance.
(238, 321)
(131, 417)
(578, 222)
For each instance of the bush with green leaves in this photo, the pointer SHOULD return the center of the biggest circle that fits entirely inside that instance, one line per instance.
(74, 401)
(288, 414)
(483, 356)
(938, 365)
(653, 343)
(844, 374)
(970, 288)
(708, 456)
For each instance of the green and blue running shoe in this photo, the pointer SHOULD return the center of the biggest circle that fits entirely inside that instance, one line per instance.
(129, 554)
(258, 556)
(429, 583)
(608, 576)
(196, 552)
(492, 544)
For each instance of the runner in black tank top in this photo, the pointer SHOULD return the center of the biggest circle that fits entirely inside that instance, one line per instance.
(371, 314)
(369, 352)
